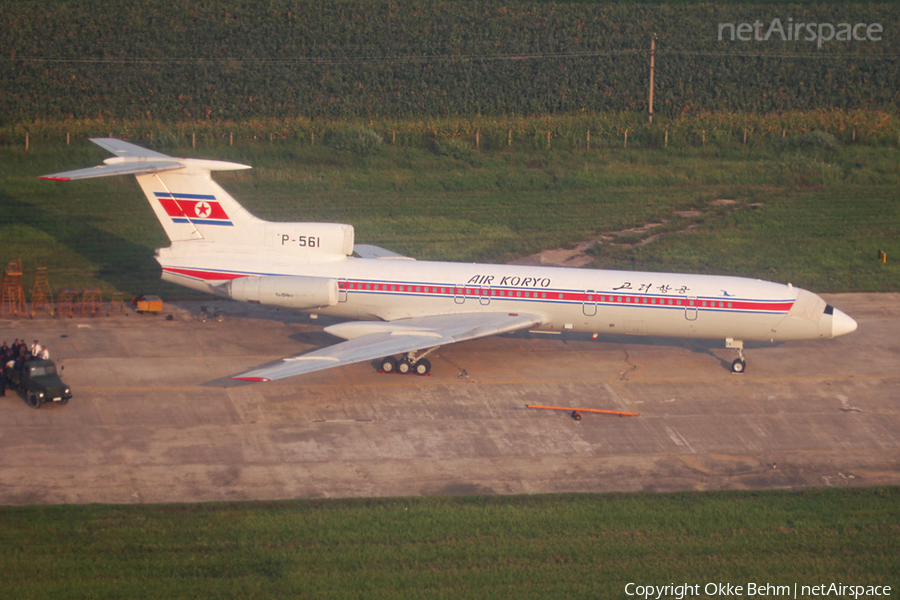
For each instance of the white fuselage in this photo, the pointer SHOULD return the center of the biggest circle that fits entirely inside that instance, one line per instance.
(579, 300)
(218, 247)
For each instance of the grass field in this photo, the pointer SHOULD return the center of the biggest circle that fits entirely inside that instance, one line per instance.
(815, 218)
(571, 546)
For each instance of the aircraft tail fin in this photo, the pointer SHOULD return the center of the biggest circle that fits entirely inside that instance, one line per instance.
(185, 199)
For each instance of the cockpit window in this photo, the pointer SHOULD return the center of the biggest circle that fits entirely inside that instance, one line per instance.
(829, 309)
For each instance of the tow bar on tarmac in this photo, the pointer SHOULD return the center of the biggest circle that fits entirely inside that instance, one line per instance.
(576, 412)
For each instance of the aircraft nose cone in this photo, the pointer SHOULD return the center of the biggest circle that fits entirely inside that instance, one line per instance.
(841, 324)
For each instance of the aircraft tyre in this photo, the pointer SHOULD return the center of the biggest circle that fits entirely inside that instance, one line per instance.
(738, 366)
(33, 400)
(389, 364)
(576, 415)
(404, 366)
(422, 367)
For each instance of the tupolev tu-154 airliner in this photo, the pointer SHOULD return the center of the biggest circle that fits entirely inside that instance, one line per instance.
(401, 310)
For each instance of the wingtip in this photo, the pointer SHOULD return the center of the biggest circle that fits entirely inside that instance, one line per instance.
(52, 178)
(251, 379)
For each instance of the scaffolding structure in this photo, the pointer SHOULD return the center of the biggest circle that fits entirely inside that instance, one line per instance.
(41, 295)
(13, 301)
(91, 302)
(117, 303)
(67, 302)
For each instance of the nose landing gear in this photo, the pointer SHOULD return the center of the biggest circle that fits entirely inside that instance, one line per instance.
(739, 364)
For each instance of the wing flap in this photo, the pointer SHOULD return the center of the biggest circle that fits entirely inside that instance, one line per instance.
(381, 339)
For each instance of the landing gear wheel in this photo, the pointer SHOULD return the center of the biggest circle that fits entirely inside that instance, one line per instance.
(738, 366)
(576, 415)
(34, 401)
(404, 366)
(389, 364)
(422, 367)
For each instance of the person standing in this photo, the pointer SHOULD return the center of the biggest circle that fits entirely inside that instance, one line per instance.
(4, 358)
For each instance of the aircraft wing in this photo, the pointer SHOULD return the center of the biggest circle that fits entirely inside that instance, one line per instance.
(368, 340)
(370, 251)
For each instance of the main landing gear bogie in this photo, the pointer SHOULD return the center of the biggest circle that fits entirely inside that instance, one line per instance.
(405, 366)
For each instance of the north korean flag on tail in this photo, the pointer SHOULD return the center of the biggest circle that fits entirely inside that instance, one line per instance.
(199, 209)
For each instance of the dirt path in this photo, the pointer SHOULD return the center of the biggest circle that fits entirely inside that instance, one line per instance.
(578, 256)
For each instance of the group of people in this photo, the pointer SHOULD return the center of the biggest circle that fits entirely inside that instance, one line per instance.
(14, 356)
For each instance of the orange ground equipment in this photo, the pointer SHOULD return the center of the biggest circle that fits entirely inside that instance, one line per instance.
(148, 304)
(576, 412)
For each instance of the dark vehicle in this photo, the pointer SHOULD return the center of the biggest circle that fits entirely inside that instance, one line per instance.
(38, 381)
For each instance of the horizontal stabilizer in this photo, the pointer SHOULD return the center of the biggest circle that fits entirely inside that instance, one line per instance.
(124, 168)
(134, 160)
(120, 148)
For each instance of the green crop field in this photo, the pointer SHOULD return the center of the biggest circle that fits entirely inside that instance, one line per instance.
(570, 546)
(225, 59)
(815, 217)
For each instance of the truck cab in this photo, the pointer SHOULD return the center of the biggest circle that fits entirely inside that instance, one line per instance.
(38, 381)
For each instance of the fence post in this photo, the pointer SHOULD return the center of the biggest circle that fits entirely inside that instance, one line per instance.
(509, 138)
(548, 140)
(626, 138)
(67, 138)
(26, 141)
(666, 144)
(193, 140)
(477, 140)
(231, 138)
(589, 139)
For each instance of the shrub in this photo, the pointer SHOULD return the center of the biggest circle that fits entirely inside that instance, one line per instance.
(358, 141)
(453, 147)
(811, 140)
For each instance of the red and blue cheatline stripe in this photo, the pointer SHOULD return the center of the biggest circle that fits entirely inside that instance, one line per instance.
(406, 288)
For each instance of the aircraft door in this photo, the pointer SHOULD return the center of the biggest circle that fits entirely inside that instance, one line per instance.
(589, 304)
(690, 308)
(342, 290)
(485, 295)
(459, 294)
